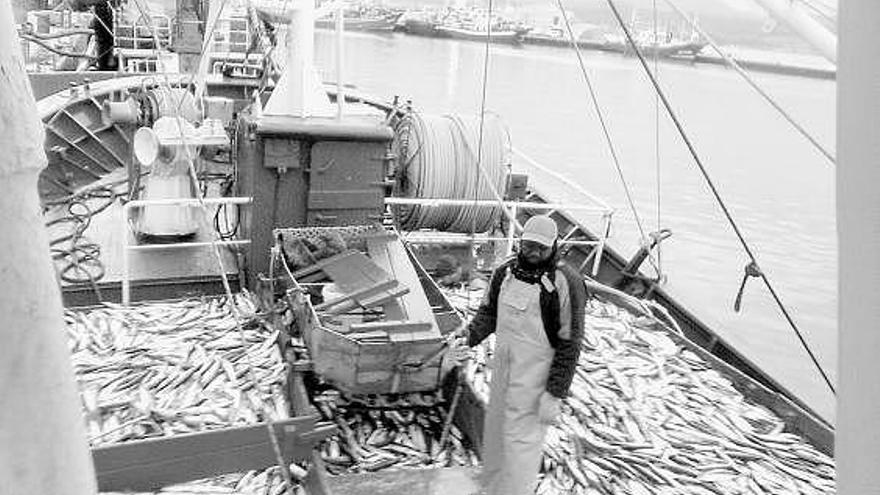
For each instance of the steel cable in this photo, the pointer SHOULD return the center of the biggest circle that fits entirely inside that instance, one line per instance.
(594, 99)
(745, 75)
(717, 195)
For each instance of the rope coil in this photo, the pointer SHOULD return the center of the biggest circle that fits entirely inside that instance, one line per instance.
(440, 156)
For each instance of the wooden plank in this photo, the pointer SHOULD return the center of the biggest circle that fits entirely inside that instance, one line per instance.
(384, 297)
(360, 294)
(394, 309)
(390, 254)
(147, 465)
(355, 271)
(387, 297)
(322, 263)
(379, 335)
(391, 327)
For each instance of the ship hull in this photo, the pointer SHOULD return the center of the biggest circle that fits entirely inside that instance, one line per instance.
(382, 25)
(505, 36)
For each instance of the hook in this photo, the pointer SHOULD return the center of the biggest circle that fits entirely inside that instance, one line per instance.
(751, 270)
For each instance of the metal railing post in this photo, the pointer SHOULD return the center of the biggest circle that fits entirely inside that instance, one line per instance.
(511, 232)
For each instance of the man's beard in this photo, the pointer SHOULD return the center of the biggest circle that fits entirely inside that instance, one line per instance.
(530, 272)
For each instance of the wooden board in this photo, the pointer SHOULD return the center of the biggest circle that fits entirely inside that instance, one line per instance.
(397, 330)
(355, 271)
(390, 254)
(358, 295)
(147, 465)
(359, 277)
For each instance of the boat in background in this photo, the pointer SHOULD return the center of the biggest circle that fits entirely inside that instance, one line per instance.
(364, 18)
(665, 40)
(464, 23)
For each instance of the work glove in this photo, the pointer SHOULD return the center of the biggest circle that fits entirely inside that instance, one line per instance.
(549, 408)
(457, 353)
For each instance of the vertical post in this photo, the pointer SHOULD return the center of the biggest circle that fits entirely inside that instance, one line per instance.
(126, 263)
(41, 422)
(511, 229)
(600, 248)
(299, 91)
(340, 87)
(857, 442)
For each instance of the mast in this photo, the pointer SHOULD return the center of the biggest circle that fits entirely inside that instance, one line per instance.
(795, 17)
(857, 443)
(299, 91)
(44, 447)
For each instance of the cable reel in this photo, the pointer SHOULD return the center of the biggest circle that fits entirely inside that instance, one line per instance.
(445, 157)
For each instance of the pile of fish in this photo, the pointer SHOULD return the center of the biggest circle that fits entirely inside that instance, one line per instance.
(166, 368)
(379, 432)
(647, 416)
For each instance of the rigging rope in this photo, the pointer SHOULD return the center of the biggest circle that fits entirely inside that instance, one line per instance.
(657, 140)
(825, 15)
(595, 101)
(727, 214)
(441, 155)
(769, 99)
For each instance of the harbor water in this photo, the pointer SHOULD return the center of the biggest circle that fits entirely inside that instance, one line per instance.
(778, 188)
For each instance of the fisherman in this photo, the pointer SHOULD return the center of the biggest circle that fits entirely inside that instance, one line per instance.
(102, 25)
(535, 307)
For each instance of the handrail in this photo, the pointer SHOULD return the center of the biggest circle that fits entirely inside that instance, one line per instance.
(513, 206)
(126, 247)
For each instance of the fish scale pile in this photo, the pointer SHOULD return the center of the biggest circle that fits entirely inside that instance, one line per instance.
(647, 416)
(167, 368)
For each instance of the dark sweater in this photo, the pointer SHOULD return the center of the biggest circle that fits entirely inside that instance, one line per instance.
(567, 351)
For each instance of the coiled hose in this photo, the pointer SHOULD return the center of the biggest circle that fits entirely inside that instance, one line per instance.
(78, 257)
(440, 157)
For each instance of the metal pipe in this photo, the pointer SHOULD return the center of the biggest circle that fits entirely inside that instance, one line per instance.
(528, 205)
(302, 28)
(188, 202)
(600, 249)
(511, 229)
(158, 247)
(340, 87)
(439, 239)
(793, 15)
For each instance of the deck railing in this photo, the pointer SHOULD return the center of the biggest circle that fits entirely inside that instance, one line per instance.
(126, 229)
